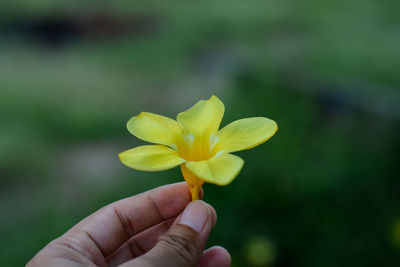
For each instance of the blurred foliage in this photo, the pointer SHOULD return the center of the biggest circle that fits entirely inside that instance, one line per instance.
(323, 192)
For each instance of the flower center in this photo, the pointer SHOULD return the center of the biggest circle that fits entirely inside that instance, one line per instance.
(198, 148)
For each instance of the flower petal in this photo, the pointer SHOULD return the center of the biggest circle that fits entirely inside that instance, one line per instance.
(220, 170)
(151, 158)
(245, 134)
(155, 129)
(204, 117)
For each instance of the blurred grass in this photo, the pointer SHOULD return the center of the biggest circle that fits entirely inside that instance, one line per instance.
(322, 192)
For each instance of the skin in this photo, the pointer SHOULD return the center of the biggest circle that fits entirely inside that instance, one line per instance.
(147, 229)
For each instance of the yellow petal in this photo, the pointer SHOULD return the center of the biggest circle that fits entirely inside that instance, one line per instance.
(155, 129)
(245, 134)
(220, 170)
(204, 117)
(151, 158)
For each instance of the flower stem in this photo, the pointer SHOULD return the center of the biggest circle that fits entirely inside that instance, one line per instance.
(195, 192)
(194, 183)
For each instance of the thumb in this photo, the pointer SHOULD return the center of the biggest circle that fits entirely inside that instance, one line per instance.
(184, 242)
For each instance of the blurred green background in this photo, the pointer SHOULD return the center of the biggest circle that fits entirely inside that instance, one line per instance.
(324, 191)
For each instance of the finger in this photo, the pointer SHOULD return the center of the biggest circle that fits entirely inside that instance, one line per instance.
(184, 242)
(215, 257)
(139, 244)
(106, 230)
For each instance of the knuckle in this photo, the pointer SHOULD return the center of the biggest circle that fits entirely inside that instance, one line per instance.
(184, 246)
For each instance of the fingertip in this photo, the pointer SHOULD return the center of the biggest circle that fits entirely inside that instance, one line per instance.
(171, 199)
(213, 214)
(216, 256)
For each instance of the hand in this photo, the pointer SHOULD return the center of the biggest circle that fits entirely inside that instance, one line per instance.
(160, 227)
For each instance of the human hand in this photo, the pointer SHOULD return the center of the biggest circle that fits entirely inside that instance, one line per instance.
(160, 227)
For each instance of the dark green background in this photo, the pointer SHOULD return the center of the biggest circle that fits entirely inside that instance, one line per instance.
(324, 191)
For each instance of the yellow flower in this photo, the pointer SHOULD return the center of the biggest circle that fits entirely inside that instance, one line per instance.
(194, 142)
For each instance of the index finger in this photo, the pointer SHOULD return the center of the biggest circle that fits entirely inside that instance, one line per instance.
(113, 225)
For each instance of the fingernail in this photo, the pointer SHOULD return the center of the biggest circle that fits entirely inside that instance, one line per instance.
(195, 215)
